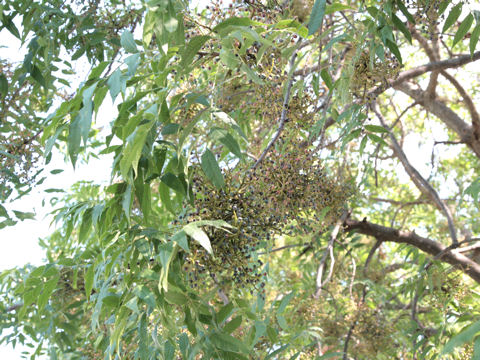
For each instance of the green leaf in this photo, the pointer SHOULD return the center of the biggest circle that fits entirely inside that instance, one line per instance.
(363, 143)
(224, 312)
(473, 189)
(74, 139)
(211, 169)
(47, 291)
(377, 139)
(474, 39)
(376, 128)
(235, 21)
(192, 48)
(3, 85)
(463, 29)
(464, 336)
(116, 84)
(330, 9)
(394, 49)
(24, 215)
(327, 79)
(127, 41)
(168, 350)
(401, 26)
(233, 324)
(36, 74)
(283, 304)
(89, 281)
(170, 21)
(476, 348)
(85, 113)
(199, 236)
(228, 140)
(405, 12)
(174, 183)
(316, 17)
(228, 343)
(10, 26)
(452, 16)
(133, 150)
(175, 297)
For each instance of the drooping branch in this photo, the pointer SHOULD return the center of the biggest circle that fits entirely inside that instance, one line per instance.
(459, 261)
(422, 184)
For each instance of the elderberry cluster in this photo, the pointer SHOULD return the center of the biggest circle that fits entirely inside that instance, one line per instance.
(286, 193)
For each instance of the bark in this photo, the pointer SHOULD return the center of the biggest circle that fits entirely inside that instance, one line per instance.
(427, 245)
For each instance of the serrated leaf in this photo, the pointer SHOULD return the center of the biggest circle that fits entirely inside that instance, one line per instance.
(463, 29)
(452, 16)
(316, 17)
(47, 291)
(211, 169)
(127, 42)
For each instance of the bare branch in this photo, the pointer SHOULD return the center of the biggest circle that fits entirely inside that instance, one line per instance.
(459, 261)
(422, 184)
(329, 250)
(467, 100)
(445, 114)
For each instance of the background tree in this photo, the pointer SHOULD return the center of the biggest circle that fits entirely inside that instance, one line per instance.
(277, 185)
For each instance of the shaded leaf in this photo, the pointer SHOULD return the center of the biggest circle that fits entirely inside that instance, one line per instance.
(211, 169)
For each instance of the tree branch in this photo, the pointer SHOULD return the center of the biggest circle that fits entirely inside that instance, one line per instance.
(445, 114)
(283, 116)
(422, 184)
(429, 246)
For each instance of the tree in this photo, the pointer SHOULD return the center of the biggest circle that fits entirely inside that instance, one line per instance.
(273, 194)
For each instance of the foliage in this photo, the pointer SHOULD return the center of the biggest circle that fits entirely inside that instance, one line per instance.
(250, 138)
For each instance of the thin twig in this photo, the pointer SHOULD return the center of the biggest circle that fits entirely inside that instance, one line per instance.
(283, 116)
(417, 178)
(333, 236)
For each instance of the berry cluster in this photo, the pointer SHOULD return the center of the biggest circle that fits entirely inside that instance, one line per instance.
(286, 193)
(369, 72)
